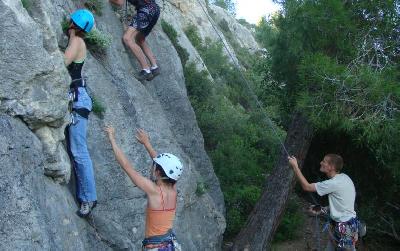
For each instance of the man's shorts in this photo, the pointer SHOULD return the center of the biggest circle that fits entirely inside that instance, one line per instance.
(145, 18)
(345, 234)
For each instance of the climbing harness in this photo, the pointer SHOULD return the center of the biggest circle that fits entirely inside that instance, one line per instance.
(344, 233)
(73, 97)
(165, 242)
(254, 96)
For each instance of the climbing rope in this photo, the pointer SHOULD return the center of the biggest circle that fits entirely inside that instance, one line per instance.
(254, 96)
(266, 117)
(316, 227)
(99, 236)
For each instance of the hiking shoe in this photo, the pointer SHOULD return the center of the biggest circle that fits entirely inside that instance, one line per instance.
(144, 75)
(155, 72)
(86, 208)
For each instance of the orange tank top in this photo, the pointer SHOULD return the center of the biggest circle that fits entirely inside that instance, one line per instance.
(158, 222)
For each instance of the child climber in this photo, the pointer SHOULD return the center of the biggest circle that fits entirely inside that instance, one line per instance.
(161, 194)
(147, 14)
(82, 21)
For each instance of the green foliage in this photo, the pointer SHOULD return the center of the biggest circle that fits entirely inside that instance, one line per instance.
(201, 188)
(224, 25)
(338, 62)
(241, 148)
(228, 5)
(26, 4)
(98, 107)
(173, 37)
(192, 34)
(291, 223)
(246, 24)
(240, 199)
(65, 23)
(266, 33)
(96, 6)
(98, 41)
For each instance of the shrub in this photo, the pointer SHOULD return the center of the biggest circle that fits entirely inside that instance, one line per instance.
(26, 4)
(240, 147)
(173, 37)
(223, 24)
(96, 6)
(98, 107)
(98, 41)
(291, 222)
(201, 188)
(192, 34)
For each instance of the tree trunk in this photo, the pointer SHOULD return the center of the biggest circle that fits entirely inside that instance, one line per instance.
(267, 213)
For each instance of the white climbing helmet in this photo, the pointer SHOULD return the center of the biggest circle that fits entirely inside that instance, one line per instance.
(171, 165)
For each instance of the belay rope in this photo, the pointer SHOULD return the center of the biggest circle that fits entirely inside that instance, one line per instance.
(316, 227)
(266, 117)
(267, 120)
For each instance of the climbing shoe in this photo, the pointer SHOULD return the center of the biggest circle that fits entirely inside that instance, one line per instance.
(86, 208)
(144, 75)
(155, 71)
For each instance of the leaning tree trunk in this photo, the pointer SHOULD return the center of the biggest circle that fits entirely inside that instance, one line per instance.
(267, 213)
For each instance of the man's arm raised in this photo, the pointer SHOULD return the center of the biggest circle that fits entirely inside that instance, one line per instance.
(300, 177)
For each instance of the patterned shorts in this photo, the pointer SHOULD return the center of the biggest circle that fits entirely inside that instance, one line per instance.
(345, 234)
(145, 18)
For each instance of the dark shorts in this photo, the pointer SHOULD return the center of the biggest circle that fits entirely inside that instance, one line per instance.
(145, 18)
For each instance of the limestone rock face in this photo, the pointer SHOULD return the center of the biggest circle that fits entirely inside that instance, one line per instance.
(37, 190)
(240, 34)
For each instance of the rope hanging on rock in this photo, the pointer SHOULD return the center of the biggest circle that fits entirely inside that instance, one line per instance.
(254, 96)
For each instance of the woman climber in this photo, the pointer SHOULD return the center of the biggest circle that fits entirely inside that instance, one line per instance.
(82, 21)
(161, 194)
(147, 14)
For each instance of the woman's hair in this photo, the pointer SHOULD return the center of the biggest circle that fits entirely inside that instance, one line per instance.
(79, 32)
(165, 179)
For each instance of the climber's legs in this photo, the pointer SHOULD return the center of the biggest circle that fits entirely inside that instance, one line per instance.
(128, 39)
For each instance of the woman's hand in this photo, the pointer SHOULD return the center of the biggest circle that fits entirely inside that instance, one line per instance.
(142, 136)
(71, 30)
(110, 132)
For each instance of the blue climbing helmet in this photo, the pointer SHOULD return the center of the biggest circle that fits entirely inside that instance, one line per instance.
(83, 19)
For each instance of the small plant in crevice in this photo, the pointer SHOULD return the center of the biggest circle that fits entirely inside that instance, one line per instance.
(192, 34)
(173, 36)
(65, 24)
(26, 4)
(98, 107)
(223, 24)
(98, 41)
(201, 188)
(96, 6)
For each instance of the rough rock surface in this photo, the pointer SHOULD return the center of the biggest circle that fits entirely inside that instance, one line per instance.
(36, 185)
(180, 14)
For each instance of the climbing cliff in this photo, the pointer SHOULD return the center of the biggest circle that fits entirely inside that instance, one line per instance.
(36, 182)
